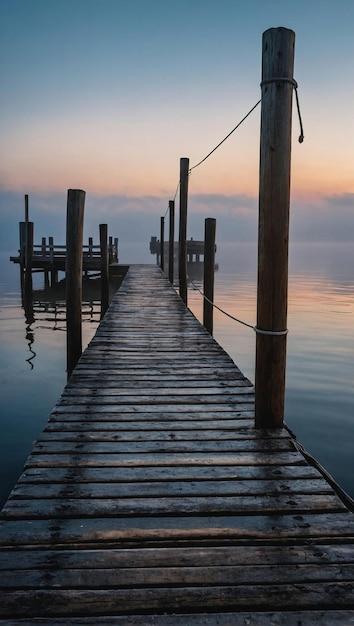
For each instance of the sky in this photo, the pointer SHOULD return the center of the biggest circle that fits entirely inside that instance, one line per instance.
(108, 95)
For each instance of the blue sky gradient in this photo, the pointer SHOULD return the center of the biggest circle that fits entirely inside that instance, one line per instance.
(107, 95)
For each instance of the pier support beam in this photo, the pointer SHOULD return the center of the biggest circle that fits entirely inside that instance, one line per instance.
(162, 243)
(182, 249)
(273, 233)
(171, 245)
(104, 268)
(74, 237)
(209, 272)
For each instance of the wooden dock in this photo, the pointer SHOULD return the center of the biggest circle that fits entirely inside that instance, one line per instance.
(151, 499)
(50, 258)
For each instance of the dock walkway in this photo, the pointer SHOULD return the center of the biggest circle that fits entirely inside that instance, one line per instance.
(150, 499)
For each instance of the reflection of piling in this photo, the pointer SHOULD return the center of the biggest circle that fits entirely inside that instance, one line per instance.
(74, 238)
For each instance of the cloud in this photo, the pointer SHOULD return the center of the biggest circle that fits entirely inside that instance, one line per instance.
(330, 218)
(137, 218)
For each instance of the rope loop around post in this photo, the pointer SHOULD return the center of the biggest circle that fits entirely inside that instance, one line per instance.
(292, 81)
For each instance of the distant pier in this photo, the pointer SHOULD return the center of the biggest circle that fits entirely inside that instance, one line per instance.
(50, 258)
(195, 250)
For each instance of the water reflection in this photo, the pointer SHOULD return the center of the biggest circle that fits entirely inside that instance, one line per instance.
(45, 309)
(27, 305)
(319, 404)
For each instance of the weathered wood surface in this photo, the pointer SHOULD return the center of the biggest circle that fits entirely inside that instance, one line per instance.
(150, 498)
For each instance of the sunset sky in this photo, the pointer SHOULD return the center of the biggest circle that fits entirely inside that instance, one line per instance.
(107, 95)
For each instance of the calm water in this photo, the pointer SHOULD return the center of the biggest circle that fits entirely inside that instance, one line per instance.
(320, 366)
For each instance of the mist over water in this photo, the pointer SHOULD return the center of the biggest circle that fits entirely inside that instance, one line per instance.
(320, 357)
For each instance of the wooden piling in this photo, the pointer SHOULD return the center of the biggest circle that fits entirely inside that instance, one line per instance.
(182, 247)
(209, 272)
(44, 254)
(27, 244)
(22, 253)
(273, 235)
(171, 246)
(162, 243)
(53, 271)
(28, 257)
(26, 209)
(74, 236)
(104, 269)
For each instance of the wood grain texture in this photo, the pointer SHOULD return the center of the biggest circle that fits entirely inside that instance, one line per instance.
(150, 498)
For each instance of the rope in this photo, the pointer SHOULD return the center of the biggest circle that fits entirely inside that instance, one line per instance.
(235, 319)
(293, 82)
(227, 136)
(346, 498)
(174, 197)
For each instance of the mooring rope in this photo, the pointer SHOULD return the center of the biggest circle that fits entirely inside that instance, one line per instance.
(283, 79)
(235, 319)
(293, 82)
(227, 136)
(346, 498)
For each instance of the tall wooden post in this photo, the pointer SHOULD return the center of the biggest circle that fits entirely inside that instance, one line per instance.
(22, 233)
(104, 269)
(28, 250)
(171, 246)
(162, 243)
(28, 258)
(182, 248)
(273, 235)
(74, 237)
(53, 270)
(26, 209)
(209, 271)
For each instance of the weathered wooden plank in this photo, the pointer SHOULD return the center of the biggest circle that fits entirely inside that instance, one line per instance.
(97, 602)
(162, 459)
(164, 489)
(102, 578)
(235, 555)
(197, 407)
(145, 434)
(145, 447)
(169, 445)
(181, 473)
(230, 618)
(240, 428)
(277, 504)
(95, 398)
(191, 530)
(162, 387)
(136, 413)
(202, 371)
